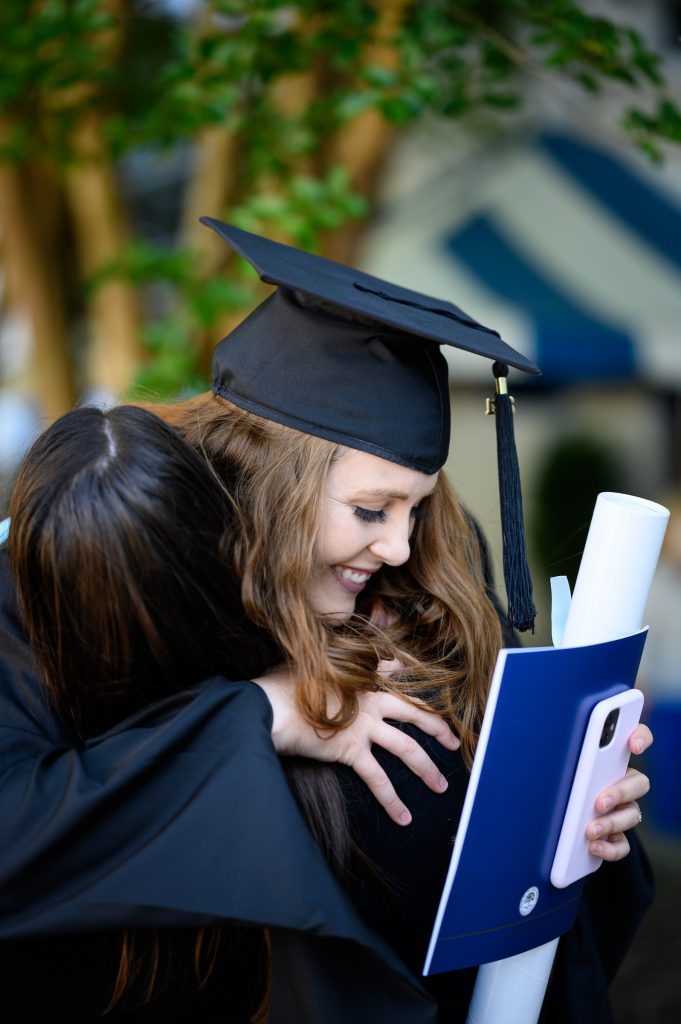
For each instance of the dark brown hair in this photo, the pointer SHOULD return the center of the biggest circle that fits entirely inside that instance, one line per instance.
(119, 546)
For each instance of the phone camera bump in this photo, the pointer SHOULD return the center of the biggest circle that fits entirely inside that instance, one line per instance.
(609, 727)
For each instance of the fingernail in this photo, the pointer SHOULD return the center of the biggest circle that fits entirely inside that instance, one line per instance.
(457, 742)
(405, 818)
(597, 848)
(607, 803)
(639, 745)
(442, 782)
(595, 831)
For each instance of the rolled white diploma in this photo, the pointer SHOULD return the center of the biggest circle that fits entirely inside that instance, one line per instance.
(616, 570)
(611, 592)
(512, 991)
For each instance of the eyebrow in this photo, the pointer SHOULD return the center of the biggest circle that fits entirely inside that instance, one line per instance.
(380, 493)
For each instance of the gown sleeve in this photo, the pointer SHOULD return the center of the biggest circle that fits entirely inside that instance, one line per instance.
(613, 903)
(179, 817)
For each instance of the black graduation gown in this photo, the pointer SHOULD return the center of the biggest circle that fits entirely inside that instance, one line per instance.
(181, 817)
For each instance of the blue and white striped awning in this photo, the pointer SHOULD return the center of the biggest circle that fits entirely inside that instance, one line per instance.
(571, 253)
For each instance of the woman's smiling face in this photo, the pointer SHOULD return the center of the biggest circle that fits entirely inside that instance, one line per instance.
(369, 510)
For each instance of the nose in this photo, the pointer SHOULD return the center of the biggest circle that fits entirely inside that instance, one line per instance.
(391, 544)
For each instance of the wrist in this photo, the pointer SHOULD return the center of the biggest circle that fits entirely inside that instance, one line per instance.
(282, 713)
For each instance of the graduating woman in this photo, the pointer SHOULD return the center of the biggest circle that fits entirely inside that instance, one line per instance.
(329, 478)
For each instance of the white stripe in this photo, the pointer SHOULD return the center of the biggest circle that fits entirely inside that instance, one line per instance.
(659, 352)
(602, 265)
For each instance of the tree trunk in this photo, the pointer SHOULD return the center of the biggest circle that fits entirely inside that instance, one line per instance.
(31, 262)
(101, 232)
(208, 193)
(363, 143)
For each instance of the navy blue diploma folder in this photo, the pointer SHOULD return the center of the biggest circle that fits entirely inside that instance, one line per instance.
(498, 899)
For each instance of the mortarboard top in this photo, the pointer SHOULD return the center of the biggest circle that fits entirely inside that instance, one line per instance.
(346, 356)
(343, 355)
(387, 305)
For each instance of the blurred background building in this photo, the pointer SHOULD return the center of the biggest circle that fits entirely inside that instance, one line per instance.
(525, 166)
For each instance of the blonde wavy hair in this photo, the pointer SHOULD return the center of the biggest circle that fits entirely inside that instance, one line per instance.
(442, 626)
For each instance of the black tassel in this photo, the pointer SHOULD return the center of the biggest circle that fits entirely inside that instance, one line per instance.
(521, 609)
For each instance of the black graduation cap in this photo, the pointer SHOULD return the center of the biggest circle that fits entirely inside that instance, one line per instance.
(343, 355)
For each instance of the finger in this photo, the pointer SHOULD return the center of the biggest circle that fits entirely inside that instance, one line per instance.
(633, 786)
(386, 668)
(621, 820)
(370, 771)
(615, 847)
(409, 751)
(418, 714)
(640, 739)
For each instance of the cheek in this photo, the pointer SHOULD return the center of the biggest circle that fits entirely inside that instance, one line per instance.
(341, 537)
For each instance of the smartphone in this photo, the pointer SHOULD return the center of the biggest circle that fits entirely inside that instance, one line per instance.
(603, 760)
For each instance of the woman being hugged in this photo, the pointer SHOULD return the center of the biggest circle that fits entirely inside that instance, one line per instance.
(329, 422)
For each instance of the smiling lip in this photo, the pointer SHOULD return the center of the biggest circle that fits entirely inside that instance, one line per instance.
(352, 580)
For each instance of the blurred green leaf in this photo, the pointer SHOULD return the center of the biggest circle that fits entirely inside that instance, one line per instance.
(208, 300)
(352, 104)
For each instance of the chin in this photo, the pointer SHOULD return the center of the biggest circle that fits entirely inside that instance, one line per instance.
(333, 604)
(330, 612)
(334, 615)
(338, 618)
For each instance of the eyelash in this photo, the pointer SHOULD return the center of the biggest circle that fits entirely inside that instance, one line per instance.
(370, 515)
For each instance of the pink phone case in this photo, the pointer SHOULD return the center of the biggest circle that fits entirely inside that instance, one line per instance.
(598, 767)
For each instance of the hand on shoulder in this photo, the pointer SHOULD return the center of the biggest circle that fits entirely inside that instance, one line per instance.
(351, 746)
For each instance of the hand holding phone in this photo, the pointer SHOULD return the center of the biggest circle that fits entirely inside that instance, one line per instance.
(603, 760)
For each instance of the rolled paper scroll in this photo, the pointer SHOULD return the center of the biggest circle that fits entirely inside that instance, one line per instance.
(616, 570)
(512, 991)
